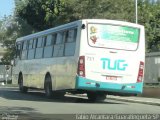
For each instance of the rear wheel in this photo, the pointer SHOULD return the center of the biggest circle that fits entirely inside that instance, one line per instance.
(22, 88)
(57, 94)
(95, 96)
(48, 86)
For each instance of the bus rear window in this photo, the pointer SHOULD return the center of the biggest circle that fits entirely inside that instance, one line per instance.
(113, 36)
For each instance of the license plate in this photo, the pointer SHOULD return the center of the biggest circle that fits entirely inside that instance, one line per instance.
(112, 78)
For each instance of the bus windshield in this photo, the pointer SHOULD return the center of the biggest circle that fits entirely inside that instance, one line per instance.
(113, 36)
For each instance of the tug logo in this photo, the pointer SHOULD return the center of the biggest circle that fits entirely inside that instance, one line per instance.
(119, 65)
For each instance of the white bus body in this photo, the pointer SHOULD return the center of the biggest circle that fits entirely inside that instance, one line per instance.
(86, 55)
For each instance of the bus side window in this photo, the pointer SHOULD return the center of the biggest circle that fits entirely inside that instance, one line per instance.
(39, 42)
(48, 46)
(65, 36)
(31, 49)
(44, 41)
(35, 42)
(59, 39)
(72, 34)
(54, 37)
(18, 50)
(70, 44)
(24, 50)
(59, 46)
(39, 48)
(48, 40)
(30, 44)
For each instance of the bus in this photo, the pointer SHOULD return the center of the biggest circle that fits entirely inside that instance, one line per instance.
(89, 56)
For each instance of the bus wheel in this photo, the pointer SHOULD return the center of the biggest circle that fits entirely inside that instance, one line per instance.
(48, 87)
(94, 96)
(22, 88)
(101, 97)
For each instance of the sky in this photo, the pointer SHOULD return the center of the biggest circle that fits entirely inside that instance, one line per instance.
(6, 8)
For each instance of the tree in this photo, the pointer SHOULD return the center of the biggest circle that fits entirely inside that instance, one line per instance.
(12, 28)
(43, 14)
(149, 16)
(32, 12)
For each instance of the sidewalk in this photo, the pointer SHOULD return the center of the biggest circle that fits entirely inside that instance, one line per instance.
(143, 100)
(133, 99)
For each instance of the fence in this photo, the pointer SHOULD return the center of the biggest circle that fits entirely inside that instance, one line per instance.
(152, 68)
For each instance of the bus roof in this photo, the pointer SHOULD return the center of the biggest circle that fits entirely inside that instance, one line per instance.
(76, 23)
(48, 31)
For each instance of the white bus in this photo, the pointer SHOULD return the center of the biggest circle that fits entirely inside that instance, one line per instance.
(92, 56)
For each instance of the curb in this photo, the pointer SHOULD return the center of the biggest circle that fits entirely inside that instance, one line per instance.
(143, 101)
(119, 98)
(6, 87)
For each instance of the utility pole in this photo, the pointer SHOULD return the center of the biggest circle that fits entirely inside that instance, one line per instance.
(136, 11)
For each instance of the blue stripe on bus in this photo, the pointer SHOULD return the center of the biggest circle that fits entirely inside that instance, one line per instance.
(87, 84)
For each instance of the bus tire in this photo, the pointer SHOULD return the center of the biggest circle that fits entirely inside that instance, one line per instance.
(48, 86)
(22, 88)
(94, 96)
(101, 97)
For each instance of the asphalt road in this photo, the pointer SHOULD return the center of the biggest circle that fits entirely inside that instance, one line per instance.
(34, 105)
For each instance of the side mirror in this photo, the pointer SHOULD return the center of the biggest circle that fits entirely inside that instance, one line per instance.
(83, 26)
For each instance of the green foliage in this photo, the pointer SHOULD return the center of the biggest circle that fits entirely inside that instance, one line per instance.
(32, 12)
(10, 29)
(43, 14)
(149, 16)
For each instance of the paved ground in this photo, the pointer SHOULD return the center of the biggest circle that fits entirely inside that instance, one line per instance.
(34, 105)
